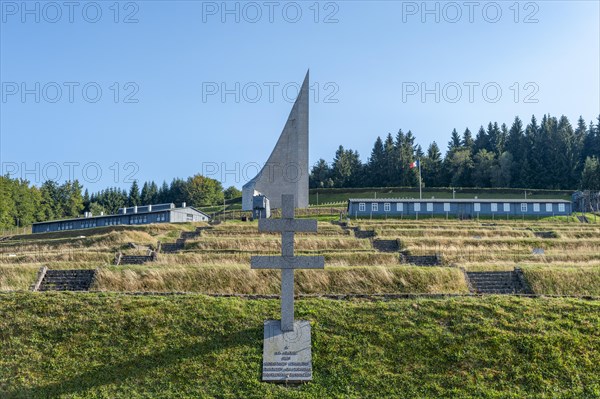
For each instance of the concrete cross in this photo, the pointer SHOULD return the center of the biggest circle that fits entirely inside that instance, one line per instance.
(287, 262)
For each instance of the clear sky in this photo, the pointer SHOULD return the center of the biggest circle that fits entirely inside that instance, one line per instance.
(153, 90)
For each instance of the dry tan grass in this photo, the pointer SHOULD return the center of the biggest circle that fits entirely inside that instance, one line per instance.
(273, 244)
(564, 281)
(72, 256)
(219, 258)
(19, 277)
(243, 280)
(441, 224)
(367, 258)
(495, 253)
(507, 265)
(109, 241)
(453, 233)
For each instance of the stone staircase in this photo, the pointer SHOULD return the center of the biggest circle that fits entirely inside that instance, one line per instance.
(135, 259)
(189, 235)
(545, 234)
(66, 280)
(364, 233)
(506, 282)
(172, 247)
(179, 244)
(421, 260)
(386, 245)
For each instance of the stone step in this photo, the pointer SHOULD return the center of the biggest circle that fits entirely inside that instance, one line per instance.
(135, 259)
(171, 247)
(67, 280)
(64, 287)
(494, 286)
(491, 281)
(187, 235)
(386, 245)
(499, 291)
(364, 233)
(68, 274)
(495, 282)
(545, 234)
(70, 283)
(421, 260)
(490, 278)
(484, 279)
(494, 274)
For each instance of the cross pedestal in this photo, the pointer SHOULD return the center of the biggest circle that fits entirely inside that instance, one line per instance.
(287, 344)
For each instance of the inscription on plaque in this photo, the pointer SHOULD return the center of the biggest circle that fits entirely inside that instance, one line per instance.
(287, 355)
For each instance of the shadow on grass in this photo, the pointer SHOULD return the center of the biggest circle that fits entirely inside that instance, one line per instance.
(138, 366)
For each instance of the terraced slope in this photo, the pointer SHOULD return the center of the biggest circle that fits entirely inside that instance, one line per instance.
(557, 257)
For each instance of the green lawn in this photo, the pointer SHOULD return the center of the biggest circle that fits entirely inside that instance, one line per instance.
(193, 346)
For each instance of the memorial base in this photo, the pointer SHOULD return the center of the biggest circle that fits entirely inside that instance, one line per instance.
(287, 356)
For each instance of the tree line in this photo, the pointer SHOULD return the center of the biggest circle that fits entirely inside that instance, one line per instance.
(22, 204)
(549, 154)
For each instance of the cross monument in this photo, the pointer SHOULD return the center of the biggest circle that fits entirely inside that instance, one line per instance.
(287, 343)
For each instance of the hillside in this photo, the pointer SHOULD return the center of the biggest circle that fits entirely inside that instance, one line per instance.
(118, 345)
(557, 256)
(123, 346)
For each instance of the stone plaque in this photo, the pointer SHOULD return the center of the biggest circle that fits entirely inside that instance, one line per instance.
(287, 356)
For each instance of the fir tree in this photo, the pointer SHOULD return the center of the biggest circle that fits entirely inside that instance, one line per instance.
(320, 175)
(590, 177)
(515, 146)
(467, 140)
(376, 164)
(482, 141)
(134, 194)
(432, 167)
(454, 143)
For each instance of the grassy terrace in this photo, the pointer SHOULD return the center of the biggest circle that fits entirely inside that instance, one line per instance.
(119, 346)
(218, 260)
(115, 345)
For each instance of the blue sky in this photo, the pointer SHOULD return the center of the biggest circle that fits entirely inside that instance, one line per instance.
(162, 66)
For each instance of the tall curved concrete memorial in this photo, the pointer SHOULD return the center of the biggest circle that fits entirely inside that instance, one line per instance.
(286, 170)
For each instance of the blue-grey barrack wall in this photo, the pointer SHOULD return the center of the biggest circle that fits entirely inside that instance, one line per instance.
(369, 207)
(135, 215)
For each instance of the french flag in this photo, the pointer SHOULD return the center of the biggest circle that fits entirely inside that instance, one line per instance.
(414, 164)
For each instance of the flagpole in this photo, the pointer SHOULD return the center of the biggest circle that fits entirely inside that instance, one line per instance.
(420, 182)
